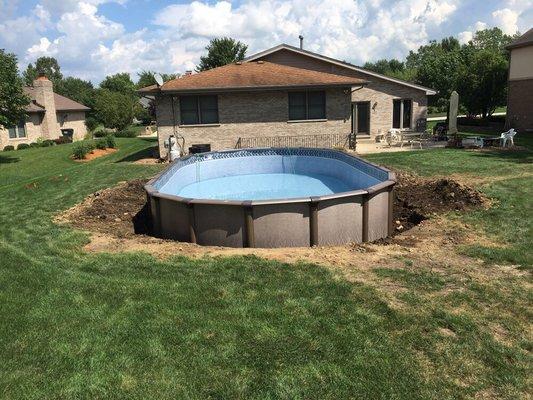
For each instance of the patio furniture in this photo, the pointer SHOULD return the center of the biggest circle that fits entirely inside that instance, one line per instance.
(472, 142)
(411, 138)
(508, 137)
(491, 141)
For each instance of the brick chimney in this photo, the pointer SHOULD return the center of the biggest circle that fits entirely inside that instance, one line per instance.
(44, 96)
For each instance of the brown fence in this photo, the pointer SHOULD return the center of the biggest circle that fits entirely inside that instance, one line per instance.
(318, 141)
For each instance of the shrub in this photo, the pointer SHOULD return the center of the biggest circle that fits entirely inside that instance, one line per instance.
(81, 149)
(35, 144)
(101, 144)
(110, 141)
(48, 143)
(23, 146)
(63, 140)
(9, 148)
(129, 132)
(91, 123)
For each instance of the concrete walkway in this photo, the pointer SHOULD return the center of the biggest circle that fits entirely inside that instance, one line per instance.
(368, 148)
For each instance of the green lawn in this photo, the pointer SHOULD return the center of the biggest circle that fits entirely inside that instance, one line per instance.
(78, 325)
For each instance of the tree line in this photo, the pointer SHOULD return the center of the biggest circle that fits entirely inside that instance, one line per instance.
(477, 70)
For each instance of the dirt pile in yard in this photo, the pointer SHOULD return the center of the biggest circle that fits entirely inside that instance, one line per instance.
(416, 199)
(121, 211)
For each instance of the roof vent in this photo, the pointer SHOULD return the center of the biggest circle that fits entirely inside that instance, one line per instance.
(301, 41)
(187, 73)
(238, 63)
(260, 62)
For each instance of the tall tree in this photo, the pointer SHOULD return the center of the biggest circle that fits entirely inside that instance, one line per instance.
(114, 109)
(437, 65)
(13, 101)
(222, 51)
(120, 83)
(76, 89)
(47, 65)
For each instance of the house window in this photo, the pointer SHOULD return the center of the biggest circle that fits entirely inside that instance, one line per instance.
(307, 105)
(402, 110)
(196, 110)
(18, 131)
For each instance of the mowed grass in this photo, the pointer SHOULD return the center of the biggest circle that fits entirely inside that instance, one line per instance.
(77, 325)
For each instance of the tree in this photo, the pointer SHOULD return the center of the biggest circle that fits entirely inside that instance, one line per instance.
(120, 83)
(13, 101)
(47, 65)
(146, 78)
(76, 89)
(483, 82)
(114, 109)
(437, 65)
(222, 51)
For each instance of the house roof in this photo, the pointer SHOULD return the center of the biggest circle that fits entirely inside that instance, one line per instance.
(259, 75)
(525, 40)
(308, 53)
(62, 103)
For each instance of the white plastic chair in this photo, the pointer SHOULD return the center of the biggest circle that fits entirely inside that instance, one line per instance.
(508, 137)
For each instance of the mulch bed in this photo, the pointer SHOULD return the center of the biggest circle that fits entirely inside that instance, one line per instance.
(122, 211)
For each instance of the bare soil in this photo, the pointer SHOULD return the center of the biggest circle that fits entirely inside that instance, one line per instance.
(119, 220)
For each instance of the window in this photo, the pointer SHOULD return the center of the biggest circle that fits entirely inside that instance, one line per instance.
(401, 113)
(18, 131)
(196, 110)
(307, 105)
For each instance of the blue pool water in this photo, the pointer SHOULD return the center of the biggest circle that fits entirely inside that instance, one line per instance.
(261, 187)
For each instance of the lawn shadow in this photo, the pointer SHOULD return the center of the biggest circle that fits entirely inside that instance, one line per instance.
(8, 160)
(519, 156)
(149, 152)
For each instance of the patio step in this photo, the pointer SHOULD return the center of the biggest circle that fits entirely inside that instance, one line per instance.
(364, 139)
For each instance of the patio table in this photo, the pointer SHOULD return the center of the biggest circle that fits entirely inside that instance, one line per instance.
(411, 137)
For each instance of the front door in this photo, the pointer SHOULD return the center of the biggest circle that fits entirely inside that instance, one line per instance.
(361, 118)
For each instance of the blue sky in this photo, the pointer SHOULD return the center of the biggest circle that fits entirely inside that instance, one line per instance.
(94, 38)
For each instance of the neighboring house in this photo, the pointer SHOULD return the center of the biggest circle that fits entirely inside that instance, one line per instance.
(520, 94)
(49, 117)
(284, 91)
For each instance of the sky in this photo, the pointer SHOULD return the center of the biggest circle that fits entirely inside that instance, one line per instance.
(95, 38)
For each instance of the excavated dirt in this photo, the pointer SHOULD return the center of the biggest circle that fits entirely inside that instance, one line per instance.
(122, 212)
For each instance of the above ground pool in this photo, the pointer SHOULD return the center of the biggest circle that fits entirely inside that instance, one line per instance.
(272, 198)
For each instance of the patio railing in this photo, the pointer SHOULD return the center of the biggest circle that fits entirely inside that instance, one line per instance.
(319, 141)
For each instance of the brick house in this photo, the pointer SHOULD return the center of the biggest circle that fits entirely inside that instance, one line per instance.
(49, 116)
(284, 91)
(520, 94)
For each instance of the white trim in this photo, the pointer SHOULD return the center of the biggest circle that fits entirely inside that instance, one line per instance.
(428, 91)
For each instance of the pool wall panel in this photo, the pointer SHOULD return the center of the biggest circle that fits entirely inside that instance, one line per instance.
(174, 220)
(219, 225)
(281, 225)
(340, 220)
(378, 215)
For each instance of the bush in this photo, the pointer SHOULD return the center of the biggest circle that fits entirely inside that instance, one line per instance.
(23, 146)
(33, 145)
(110, 141)
(91, 123)
(101, 144)
(81, 149)
(63, 140)
(48, 143)
(129, 132)
(9, 148)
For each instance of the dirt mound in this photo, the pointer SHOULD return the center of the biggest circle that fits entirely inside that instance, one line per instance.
(121, 211)
(417, 198)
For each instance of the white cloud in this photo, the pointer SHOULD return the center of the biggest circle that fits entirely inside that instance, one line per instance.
(91, 45)
(507, 20)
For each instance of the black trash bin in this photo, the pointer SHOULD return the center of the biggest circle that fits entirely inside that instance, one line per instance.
(200, 148)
